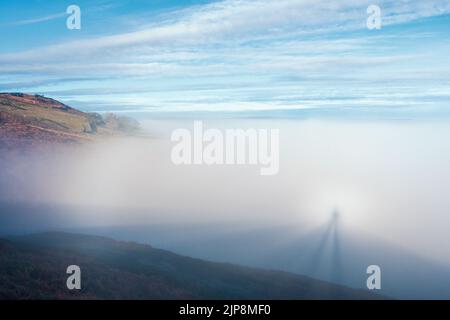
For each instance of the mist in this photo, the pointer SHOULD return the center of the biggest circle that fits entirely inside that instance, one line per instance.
(388, 181)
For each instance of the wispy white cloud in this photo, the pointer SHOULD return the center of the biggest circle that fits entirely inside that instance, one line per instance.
(242, 20)
(228, 41)
(40, 19)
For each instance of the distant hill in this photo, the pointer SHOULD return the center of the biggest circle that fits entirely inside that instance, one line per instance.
(33, 119)
(33, 267)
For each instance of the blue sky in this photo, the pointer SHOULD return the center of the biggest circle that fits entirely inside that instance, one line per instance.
(232, 55)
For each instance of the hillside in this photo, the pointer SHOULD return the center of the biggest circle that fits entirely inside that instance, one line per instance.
(33, 119)
(33, 267)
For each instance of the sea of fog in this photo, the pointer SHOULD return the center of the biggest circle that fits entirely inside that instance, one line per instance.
(348, 194)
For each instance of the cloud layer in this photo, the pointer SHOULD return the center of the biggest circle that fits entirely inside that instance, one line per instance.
(241, 49)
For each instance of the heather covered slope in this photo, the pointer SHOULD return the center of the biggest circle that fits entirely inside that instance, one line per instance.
(27, 118)
(33, 119)
(33, 267)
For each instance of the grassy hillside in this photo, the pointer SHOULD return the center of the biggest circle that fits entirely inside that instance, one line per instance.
(33, 119)
(33, 267)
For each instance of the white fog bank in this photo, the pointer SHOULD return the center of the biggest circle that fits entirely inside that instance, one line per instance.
(389, 180)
